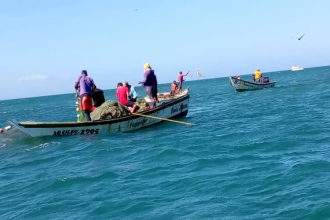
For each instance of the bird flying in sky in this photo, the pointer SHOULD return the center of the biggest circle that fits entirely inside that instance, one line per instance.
(301, 37)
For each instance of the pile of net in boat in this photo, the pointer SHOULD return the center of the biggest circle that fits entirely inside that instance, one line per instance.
(112, 109)
(141, 104)
(109, 109)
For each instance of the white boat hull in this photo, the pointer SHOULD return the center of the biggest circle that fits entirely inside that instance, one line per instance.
(242, 85)
(174, 109)
(296, 68)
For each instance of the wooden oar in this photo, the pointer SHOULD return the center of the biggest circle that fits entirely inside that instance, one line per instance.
(164, 119)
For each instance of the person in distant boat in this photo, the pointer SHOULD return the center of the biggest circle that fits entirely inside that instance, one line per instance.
(238, 77)
(123, 95)
(86, 86)
(180, 79)
(150, 83)
(98, 97)
(132, 91)
(174, 87)
(257, 76)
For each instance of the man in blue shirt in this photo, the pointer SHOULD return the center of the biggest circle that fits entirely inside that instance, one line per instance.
(86, 86)
(132, 91)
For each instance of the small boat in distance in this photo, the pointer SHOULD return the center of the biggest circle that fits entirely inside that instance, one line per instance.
(242, 85)
(296, 68)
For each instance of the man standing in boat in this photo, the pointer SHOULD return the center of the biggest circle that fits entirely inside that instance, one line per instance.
(86, 86)
(257, 75)
(180, 79)
(149, 83)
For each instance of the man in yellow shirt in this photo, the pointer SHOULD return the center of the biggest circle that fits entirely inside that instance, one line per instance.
(257, 75)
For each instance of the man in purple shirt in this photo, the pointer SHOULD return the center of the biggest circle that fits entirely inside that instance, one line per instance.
(149, 83)
(86, 86)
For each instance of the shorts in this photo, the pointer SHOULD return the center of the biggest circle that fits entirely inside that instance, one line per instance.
(86, 103)
(130, 104)
(258, 80)
(150, 91)
(180, 85)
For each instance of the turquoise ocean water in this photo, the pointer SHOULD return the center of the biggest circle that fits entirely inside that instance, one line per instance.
(253, 155)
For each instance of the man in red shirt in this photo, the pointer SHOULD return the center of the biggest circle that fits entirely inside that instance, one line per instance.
(123, 94)
(119, 85)
(180, 79)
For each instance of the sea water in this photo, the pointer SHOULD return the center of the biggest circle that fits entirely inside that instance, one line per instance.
(253, 155)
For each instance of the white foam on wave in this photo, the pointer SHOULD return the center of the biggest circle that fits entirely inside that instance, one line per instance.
(44, 145)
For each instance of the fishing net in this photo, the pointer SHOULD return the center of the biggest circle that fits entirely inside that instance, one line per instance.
(81, 116)
(142, 105)
(111, 109)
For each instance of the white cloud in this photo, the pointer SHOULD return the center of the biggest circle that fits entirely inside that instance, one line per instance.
(33, 78)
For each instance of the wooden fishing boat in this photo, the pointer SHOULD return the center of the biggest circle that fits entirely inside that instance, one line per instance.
(242, 85)
(176, 108)
(166, 96)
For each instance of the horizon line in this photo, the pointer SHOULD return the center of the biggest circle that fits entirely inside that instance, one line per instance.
(158, 84)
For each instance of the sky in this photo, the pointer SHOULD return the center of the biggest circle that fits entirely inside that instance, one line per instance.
(45, 44)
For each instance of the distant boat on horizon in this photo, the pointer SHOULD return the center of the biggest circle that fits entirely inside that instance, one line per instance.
(296, 67)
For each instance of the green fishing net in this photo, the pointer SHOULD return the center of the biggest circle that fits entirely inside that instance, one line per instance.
(111, 109)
